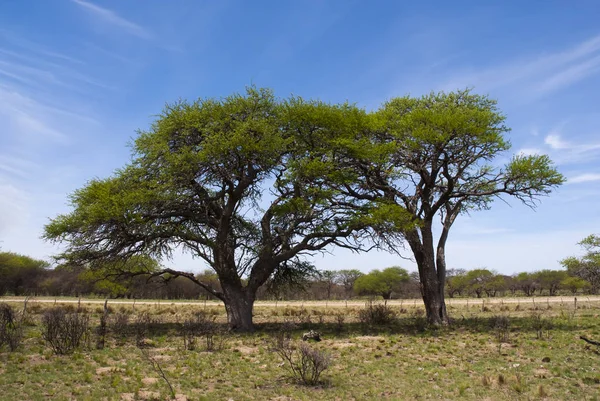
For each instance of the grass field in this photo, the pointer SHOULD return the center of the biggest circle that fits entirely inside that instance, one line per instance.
(497, 350)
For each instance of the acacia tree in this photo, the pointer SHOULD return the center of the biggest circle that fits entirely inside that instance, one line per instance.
(434, 157)
(382, 283)
(219, 179)
(588, 266)
(346, 278)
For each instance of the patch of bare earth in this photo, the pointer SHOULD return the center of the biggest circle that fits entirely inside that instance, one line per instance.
(149, 380)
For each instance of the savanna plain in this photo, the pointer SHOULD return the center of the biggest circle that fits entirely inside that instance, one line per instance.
(494, 349)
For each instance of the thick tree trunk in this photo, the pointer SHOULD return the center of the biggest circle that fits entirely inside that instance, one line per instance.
(433, 296)
(239, 303)
(432, 277)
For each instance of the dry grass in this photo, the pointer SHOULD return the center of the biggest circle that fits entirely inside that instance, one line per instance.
(402, 360)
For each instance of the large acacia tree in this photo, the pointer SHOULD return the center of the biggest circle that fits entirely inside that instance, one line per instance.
(222, 180)
(436, 157)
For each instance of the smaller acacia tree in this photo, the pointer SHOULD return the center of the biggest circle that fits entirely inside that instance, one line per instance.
(434, 157)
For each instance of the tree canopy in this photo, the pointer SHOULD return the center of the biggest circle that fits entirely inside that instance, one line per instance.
(434, 157)
(250, 183)
(226, 181)
(586, 267)
(381, 282)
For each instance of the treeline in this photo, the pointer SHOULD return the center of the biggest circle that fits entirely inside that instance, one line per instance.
(21, 275)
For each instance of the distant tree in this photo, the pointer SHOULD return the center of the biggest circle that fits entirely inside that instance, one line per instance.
(382, 283)
(329, 279)
(586, 267)
(20, 274)
(495, 284)
(477, 281)
(527, 283)
(346, 278)
(456, 282)
(574, 284)
(550, 280)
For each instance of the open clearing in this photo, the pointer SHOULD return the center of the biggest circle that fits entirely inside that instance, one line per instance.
(541, 356)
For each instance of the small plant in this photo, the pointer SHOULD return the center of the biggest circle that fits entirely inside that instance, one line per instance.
(11, 328)
(158, 369)
(119, 325)
(340, 318)
(305, 362)
(63, 331)
(142, 327)
(540, 324)
(376, 315)
(102, 328)
(501, 326)
(201, 326)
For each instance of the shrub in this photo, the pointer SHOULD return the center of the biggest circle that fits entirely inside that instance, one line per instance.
(11, 328)
(119, 325)
(201, 326)
(63, 331)
(501, 325)
(540, 324)
(305, 362)
(376, 314)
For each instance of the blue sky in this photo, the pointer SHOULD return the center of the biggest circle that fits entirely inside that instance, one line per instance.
(78, 78)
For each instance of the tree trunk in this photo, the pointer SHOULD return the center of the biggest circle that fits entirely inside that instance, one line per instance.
(433, 298)
(239, 303)
(432, 277)
(433, 292)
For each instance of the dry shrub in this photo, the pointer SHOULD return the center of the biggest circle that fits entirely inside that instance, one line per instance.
(501, 326)
(119, 325)
(377, 314)
(64, 331)
(202, 326)
(304, 362)
(11, 328)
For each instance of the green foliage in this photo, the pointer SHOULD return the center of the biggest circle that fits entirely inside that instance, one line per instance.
(382, 283)
(588, 266)
(574, 284)
(550, 280)
(17, 272)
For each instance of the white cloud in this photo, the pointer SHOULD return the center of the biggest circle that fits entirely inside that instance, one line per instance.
(587, 177)
(533, 77)
(110, 17)
(554, 141)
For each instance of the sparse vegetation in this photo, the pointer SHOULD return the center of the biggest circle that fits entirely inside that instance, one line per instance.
(64, 331)
(404, 359)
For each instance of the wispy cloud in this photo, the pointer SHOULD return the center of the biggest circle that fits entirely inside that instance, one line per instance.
(110, 17)
(530, 151)
(555, 142)
(587, 177)
(536, 76)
